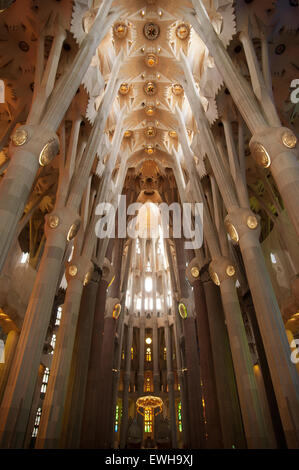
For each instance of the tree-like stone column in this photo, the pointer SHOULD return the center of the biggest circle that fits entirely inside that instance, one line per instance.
(35, 145)
(88, 430)
(229, 408)
(170, 383)
(9, 351)
(73, 414)
(273, 147)
(126, 382)
(214, 439)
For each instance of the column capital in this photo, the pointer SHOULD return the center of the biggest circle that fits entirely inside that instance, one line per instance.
(36, 140)
(240, 221)
(269, 143)
(79, 268)
(64, 220)
(221, 269)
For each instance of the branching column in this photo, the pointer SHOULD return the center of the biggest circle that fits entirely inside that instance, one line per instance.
(272, 147)
(35, 145)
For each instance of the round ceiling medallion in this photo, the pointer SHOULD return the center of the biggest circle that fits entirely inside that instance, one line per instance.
(182, 31)
(124, 89)
(150, 131)
(151, 60)
(177, 89)
(120, 30)
(128, 134)
(150, 88)
(150, 111)
(150, 149)
(172, 134)
(151, 31)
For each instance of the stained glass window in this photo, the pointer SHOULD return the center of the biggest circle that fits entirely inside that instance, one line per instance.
(180, 416)
(148, 420)
(148, 355)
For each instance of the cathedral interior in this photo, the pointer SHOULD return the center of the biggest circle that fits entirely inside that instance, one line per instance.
(126, 107)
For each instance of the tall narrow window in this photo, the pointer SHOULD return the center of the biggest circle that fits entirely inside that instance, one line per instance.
(148, 384)
(148, 420)
(116, 418)
(148, 284)
(58, 316)
(164, 354)
(180, 416)
(148, 355)
(36, 423)
(132, 353)
(53, 342)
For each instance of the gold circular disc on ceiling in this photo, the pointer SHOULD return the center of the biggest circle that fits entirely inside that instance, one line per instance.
(120, 30)
(150, 131)
(151, 60)
(177, 89)
(151, 31)
(182, 31)
(150, 111)
(124, 89)
(150, 88)
(150, 149)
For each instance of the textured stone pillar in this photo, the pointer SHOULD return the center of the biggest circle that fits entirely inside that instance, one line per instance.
(183, 390)
(89, 421)
(196, 424)
(9, 351)
(271, 399)
(104, 409)
(284, 376)
(104, 405)
(229, 408)
(74, 407)
(120, 337)
(170, 383)
(140, 376)
(126, 382)
(264, 403)
(192, 373)
(24, 164)
(53, 408)
(252, 412)
(290, 340)
(213, 427)
(273, 147)
(17, 400)
(156, 372)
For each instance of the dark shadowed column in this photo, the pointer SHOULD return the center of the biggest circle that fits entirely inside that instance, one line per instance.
(213, 426)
